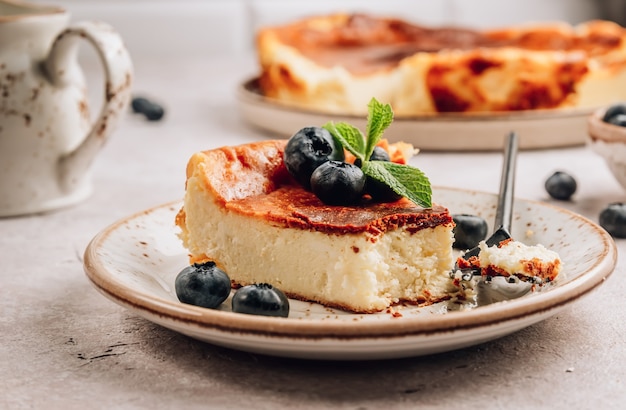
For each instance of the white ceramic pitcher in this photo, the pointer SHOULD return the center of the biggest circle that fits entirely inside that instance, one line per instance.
(48, 139)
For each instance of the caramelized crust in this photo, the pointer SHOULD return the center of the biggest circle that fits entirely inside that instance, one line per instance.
(252, 180)
(328, 62)
(292, 206)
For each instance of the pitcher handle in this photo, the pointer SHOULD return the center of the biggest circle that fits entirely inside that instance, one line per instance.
(118, 76)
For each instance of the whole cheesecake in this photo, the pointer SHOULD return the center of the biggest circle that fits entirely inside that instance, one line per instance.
(336, 63)
(243, 210)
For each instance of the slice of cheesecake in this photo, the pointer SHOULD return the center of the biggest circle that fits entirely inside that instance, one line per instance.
(243, 211)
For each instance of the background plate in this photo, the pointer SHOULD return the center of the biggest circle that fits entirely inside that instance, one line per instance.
(538, 129)
(134, 263)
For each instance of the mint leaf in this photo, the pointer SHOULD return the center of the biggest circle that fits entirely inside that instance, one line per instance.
(349, 137)
(405, 180)
(379, 117)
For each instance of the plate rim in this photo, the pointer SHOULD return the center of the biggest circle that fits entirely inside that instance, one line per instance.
(313, 329)
(248, 91)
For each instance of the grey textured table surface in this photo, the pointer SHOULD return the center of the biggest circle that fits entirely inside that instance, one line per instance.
(63, 345)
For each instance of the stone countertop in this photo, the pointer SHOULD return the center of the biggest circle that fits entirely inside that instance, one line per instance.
(63, 345)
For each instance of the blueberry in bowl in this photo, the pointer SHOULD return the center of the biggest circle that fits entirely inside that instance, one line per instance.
(606, 129)
(614, 114)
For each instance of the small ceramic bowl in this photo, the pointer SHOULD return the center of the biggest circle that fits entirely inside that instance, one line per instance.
(609, 141)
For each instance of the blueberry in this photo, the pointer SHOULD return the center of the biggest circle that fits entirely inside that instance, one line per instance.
(613, 219)
(380, 154)
(618, 119)
(469, 230)
(149, 109)
(202, 284)
(307, 149)
(614, 110)
(261, 299)
(561, 186)
(379, 191)
(338, 183)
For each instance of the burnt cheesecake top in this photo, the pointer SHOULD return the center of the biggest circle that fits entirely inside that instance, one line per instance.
(252, 180)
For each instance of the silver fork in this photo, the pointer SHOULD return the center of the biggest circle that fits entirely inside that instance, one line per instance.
(504, 209)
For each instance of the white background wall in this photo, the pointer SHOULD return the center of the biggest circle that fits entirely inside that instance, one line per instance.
(178, 28)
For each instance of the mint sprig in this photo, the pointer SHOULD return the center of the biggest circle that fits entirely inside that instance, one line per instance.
(404, 180)
(379, 118)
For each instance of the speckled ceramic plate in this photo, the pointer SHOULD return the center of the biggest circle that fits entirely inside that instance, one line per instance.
(538, 129)
(134, 263)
